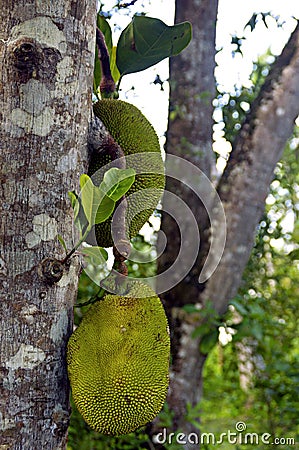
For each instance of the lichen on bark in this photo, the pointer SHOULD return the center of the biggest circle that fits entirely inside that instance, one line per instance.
(47, 54)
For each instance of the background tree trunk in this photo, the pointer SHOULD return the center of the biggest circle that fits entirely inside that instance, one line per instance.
(46, 70)
(243, 187)
(245, 183)
(189, 135)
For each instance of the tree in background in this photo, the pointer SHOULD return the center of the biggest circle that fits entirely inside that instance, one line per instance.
(262, 326)
(253, 375)
(243, 187)
(36, 334)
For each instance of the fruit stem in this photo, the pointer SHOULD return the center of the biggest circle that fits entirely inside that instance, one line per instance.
(107, 85)
(119, 262)
(122, 246)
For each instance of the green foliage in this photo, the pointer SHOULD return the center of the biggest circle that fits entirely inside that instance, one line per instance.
(262, 16)
(96, 206)
(95, 255)
(143, 43)
(236, 105)
(263, 320)
(117, 182)
(96, 203)
(208, 328)
(141, 269)
(147, 41)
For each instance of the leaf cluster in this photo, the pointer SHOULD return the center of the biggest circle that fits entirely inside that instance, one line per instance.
(143, 43)
(264, 320)
(94, 205)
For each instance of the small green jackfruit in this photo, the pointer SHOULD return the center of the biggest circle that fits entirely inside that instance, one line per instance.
(135, 135)
(118, 362)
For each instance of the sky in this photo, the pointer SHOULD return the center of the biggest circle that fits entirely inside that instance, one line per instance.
(231, 70)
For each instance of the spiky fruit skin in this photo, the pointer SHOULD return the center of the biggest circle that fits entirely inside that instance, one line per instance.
(135, 135)
(118, 361)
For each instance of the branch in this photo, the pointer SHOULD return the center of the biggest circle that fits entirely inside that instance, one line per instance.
(244, 185)
(126, 5)
(101, 141)
(107, 85)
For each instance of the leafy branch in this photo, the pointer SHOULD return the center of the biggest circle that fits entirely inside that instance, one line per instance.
(95, 204)
(143, 43)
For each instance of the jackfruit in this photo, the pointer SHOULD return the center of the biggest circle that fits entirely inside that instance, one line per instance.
(135, 135)
(118, 360)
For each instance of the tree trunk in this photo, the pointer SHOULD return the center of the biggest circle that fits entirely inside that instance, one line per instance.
(243, 188)
(47, 53)
(245, 183)
(189, 136)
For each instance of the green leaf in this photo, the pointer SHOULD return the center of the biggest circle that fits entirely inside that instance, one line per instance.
(257, 331)
(190, 308)
(208, 342)
(294, 254)
(104, 26)
(61, 240)
(79, 217)
(239, 307)
(146, 41)
(88, 200)
(105, 209)
(117, 182)
(74, 202)
(97, 254)
(96, 205)
(252, 22)
(201, 330)
(113, 67)
(244, 329)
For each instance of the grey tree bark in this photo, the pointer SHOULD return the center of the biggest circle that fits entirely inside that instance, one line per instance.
(245, 183)
(243, 187)
(46, 70)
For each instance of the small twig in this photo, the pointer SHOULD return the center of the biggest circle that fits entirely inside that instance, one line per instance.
(121, 268)
(121, 242)
(107, 85)
(92, 299)
(126, 5)
(119, 262)
(122, 246)
(74, 249)
(68, 256)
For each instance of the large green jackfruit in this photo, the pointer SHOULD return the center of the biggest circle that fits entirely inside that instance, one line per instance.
(135, 135)
(118, 362)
